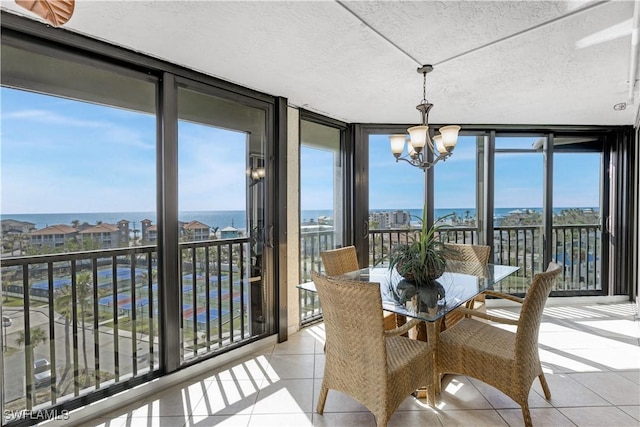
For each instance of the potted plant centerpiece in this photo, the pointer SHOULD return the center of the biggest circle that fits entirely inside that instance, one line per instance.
(423, 258)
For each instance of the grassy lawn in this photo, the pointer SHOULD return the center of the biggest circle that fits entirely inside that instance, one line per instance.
(8, 301)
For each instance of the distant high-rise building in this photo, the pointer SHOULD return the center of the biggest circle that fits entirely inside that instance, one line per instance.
(394, 219)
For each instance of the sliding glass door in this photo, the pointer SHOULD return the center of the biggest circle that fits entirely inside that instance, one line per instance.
(548, 207)
(221, 221)
(518, 214)
(577, 237)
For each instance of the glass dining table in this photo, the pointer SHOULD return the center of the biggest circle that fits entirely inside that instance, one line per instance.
(461, 282)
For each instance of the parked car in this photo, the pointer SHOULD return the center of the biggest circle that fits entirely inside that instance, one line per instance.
(41, 373)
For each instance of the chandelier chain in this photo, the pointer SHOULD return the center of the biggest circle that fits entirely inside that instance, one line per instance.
(424, 87)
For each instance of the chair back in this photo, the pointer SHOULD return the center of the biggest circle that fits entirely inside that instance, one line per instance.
(354, 328)
(340, 261)
(532, 308)
(468, 253)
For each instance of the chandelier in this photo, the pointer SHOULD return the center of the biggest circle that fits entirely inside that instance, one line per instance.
(442, 144)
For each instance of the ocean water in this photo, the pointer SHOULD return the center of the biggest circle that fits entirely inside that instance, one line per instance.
(218, 219)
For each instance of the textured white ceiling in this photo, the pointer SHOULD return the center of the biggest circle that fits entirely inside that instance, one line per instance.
(499, 62)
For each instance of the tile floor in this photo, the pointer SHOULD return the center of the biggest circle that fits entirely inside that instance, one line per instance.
(590, 354)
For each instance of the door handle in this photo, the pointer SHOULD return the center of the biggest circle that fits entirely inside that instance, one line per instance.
(269, 242)
(366, 230)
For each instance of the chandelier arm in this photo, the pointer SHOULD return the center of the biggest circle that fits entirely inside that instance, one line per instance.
(411, 161)
(418, 162)
(442, 157)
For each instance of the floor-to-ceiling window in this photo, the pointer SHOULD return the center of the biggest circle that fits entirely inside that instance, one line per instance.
(137, 222)
(518, 189)
(535, 198)
(396, 198)
(455, 192)
(78, 208)
(547, 196)
(577, 212)
(322, 199)
(321, 193)
(221, 196)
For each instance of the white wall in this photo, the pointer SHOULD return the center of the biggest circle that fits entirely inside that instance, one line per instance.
(293, 218)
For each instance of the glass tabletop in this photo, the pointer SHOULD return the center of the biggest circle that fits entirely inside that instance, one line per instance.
(460, 283)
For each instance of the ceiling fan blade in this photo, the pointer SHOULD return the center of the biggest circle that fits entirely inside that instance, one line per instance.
(55, 12)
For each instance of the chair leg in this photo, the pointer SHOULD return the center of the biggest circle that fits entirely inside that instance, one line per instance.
(526, 415)
(381, 421)
(322, 399)
(545, 386)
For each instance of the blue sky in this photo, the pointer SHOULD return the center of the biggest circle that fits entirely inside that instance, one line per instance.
(518, 178)
(66, 156)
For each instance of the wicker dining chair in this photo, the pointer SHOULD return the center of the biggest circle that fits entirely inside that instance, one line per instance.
(473, 254)
(343, 260)
(378, 368)
(506, 360)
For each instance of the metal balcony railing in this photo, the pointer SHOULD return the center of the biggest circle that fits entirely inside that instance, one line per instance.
(577, 247)
(94, 316)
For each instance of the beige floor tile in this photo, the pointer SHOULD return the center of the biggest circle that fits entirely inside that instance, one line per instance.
(476, 418)
(228, 397)
(615, 388)
(285, 397)
(281, 420)
(296, 344)
(621, 310)
(318, 370)
(572, 313)
(565, 391)
(598, 417)
(219, 421)
(634, 411)
(560, 361)
(583, 340)
(633, 376)
(175, 402)
(499, 400)
(289, 366)
(614, 328)
(106, 421)
(336, 401)
(459, 393)
(414, 418)
(156, 422)
(541, 417)
(590, 355)
(626, 358)
(255, 367)
(344, 419)
(316, 331)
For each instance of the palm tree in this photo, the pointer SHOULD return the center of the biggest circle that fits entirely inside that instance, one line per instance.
(37, 335)
(63, 303)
